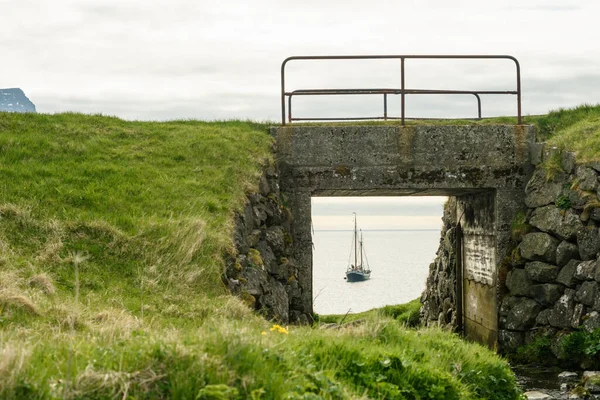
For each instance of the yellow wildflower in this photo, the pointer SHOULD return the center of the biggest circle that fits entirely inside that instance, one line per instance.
(263, 333)
(279, 329)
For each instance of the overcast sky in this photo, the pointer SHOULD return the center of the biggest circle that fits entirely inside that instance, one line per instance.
(335, 213)
(171, 59)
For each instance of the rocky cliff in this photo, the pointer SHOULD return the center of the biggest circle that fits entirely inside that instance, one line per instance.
(14, 100)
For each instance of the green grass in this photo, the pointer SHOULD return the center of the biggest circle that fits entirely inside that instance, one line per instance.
(407, 314)
(111, 242)
(576, 129)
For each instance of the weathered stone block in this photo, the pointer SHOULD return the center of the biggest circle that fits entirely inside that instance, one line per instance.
(579, 198)
(587, 178)
(275, 239)
(536, 152)
(588, 242)
(542, 318)
(539, 192)
(276, 302)
(254, 237)
(566, 252)
(507, 304)
(259, 215)
(568, 161)
(275, 215)
(577, 314)
(263, 186)
(546, 294)
(536, 395)
(267, 255)
(255, 281)
(518, 282)
(591, 321)
(566, 276)
(551, 219)
(539, 246)
(586, 270)
(248, 217)
(510, 340)
(541, 272)
(587, 293)
(562, 312)
(522, 316)
(281, 271)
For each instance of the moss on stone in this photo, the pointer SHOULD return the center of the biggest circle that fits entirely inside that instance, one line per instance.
(248, 299)
(519, 226)
(254, 259)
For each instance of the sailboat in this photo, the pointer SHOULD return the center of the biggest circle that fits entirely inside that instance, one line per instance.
(359, 270)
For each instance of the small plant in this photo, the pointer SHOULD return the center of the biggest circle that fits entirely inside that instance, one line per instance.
(519, 226)
(536, 352)
(254, 259)
(563, 202)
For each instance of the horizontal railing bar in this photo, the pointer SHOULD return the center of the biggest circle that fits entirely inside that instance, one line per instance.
(382, 118)
(403, 91)
(339, 119)
(316, 92)
(398, 57)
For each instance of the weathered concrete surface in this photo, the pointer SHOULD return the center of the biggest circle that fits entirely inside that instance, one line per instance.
(486, 167)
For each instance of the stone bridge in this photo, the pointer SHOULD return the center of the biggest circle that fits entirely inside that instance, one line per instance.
(484, 166)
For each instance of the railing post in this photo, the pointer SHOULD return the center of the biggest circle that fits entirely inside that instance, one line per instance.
(385, 106)
(402, 95)
(478, 105)
(518, 90)
(283, 91)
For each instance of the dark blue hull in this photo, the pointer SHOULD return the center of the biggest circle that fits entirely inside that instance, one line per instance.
(357, 276)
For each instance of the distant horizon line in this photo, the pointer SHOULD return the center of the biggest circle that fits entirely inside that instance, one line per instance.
(377, 230)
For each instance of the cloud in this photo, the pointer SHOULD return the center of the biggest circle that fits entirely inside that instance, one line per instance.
(223, 58)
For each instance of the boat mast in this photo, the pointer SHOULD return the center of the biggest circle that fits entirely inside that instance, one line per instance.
(361, 249)
(355, 244)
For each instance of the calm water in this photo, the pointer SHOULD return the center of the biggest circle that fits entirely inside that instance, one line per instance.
(399, 261)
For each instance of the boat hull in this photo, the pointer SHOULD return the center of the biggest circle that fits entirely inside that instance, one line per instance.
(357, 276)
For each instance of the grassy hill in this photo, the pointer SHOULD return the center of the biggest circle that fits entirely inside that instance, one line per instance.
(111, 243)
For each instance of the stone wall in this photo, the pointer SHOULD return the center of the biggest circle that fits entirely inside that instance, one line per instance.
(439, 297)
(553, 282)
(262, 271)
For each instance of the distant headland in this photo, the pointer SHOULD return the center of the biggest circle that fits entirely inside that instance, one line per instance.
(14, 100)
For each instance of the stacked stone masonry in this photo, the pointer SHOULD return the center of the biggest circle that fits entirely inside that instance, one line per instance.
(439, 297)
(553, 285)
(262, 271)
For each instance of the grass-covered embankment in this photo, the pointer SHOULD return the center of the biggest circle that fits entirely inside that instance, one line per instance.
(111, 243)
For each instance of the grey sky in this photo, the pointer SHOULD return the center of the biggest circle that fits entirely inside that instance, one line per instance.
(218, 60)
(377, 212)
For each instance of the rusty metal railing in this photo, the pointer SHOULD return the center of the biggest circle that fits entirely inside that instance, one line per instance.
(402, 90)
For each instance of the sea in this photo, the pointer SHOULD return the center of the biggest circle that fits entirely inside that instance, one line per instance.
(399, 260)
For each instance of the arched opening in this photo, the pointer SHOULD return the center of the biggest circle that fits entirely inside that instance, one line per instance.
(400, 238)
